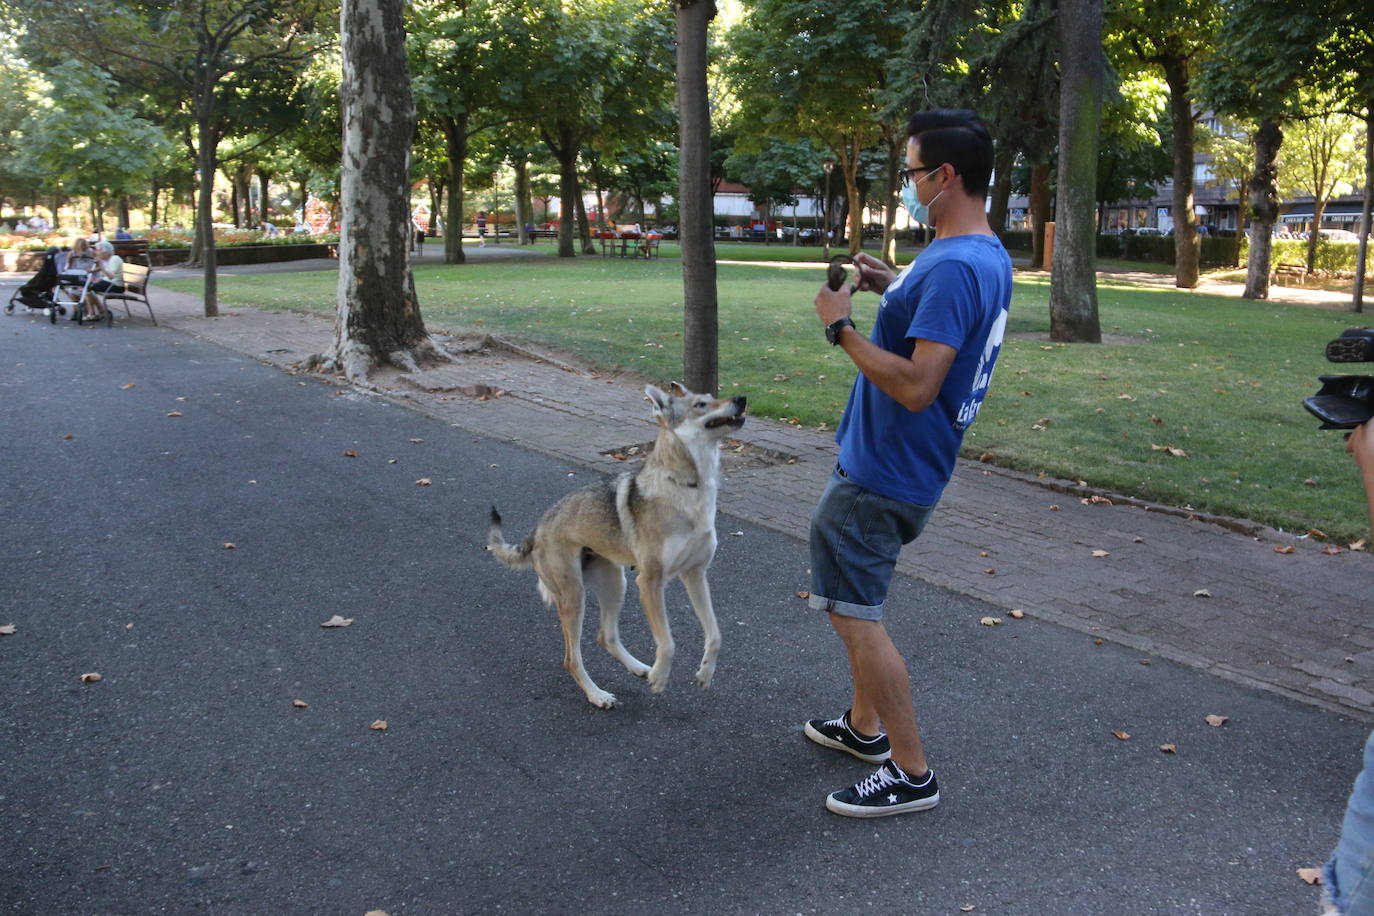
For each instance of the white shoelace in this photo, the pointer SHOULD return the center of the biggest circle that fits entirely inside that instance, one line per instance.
(881, 779)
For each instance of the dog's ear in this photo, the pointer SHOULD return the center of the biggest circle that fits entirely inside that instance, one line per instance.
(658, 398)
(679, 389)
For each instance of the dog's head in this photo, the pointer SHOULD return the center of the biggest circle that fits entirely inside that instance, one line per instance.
(682, 408)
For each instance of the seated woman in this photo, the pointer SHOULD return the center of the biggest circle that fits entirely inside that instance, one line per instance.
(106, 277)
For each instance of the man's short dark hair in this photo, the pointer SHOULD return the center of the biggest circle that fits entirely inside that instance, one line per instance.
(959, 137)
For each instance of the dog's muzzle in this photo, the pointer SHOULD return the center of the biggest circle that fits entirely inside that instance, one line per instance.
(735, 420)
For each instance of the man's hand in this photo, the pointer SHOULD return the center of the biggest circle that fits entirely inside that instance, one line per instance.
(833, 304)
(873, 275)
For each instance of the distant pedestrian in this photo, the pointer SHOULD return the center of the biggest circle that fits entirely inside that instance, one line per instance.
(481, 229)
(922, 377)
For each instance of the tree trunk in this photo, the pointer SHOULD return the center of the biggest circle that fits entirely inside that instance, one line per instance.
(564, 149)
(1357, 305)
(522, 200)
(1264, 208)
(700, 331)
(1187, 241)
(1001, 189)
(264, 181)
(152, 210)
(584, 225)
(1039, 213)
(378, 318)
(205, 229)
(896, 149)
(1313, 237)
(1073, 281)
(124, 219)
(456, 145)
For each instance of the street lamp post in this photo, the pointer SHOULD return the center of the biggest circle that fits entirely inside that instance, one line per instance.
(825, 208)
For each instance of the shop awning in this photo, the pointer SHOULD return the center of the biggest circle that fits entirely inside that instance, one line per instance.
(1341, 212)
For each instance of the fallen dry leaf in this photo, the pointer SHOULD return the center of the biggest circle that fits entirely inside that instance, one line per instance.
(1202, 593)
(376, 913)
(68, 436)
(126, 387)
(736, 534)
(1309, 482)
(1054, 508)
(803, 595)
(1097, 642)
(1169, 748)
(379, 726)
(1331, 550)
(7, 630)
(90, 678)
(229, 545)
(1316, 533)
(1101, 553)
(991, 621)
(1171, 449)
(423, 482)
(967, 908)
(1121, 736)
(1145, 661)
(337, 621)
(987, 456)
(1288, 549)
(174, 413)
(1358, 545)
(417, 441)
(1017, 614)
(350, 454)
(300, 704)
(1217, 721)
(1310, 875)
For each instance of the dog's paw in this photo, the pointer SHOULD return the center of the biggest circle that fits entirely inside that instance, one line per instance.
(658, 679)
(704, 675)
(637, 668)
(601, 699)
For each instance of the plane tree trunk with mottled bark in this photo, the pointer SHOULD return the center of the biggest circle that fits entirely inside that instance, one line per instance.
(378, 321)
(701, 332)
(1264, 208)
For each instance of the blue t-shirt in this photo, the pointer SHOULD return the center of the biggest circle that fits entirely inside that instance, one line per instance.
(957, 292)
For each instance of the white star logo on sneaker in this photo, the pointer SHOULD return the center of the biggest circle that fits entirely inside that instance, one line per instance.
(892, 799)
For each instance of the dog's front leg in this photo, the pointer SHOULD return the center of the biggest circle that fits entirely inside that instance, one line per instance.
(651, 596)
(700, 594)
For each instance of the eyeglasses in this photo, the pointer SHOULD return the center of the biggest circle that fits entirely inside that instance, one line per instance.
(908, 175)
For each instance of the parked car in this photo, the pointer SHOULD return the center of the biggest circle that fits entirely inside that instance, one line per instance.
(1147, 230)
(1337, 235)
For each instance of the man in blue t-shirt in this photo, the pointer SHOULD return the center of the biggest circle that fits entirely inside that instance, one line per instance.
(923, 375)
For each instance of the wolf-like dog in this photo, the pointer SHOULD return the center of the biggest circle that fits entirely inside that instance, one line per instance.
(661, 520)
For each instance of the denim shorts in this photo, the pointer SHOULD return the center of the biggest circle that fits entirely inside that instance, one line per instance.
(856, 535)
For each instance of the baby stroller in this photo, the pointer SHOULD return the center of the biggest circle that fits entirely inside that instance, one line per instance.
(37, 293)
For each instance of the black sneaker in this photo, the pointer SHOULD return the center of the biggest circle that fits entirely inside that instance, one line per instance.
(888, 791)
(840, 735)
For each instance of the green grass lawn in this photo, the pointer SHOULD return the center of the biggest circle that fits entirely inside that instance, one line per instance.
(1220, 379)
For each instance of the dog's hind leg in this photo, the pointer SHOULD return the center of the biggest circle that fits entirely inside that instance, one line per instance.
(651, 596)
(565, 587)
(700, 594)
(607, 581)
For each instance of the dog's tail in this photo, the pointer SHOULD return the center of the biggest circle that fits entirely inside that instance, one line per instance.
(514, 557)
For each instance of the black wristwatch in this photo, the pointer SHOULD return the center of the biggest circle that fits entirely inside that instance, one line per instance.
(832, 331)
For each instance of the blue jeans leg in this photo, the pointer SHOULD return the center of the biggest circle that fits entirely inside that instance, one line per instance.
(1349, 876)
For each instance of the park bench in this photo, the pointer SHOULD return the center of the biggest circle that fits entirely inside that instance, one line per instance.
(135, 250)
(135, 289)
(1293, 271)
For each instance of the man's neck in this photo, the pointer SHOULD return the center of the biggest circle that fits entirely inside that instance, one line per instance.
(965, 216)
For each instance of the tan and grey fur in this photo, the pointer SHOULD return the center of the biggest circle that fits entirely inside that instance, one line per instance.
(660, 520)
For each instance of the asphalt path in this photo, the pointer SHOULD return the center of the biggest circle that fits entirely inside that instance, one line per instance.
(186, 780)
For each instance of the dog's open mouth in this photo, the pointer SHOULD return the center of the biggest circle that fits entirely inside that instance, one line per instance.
(734, 422)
